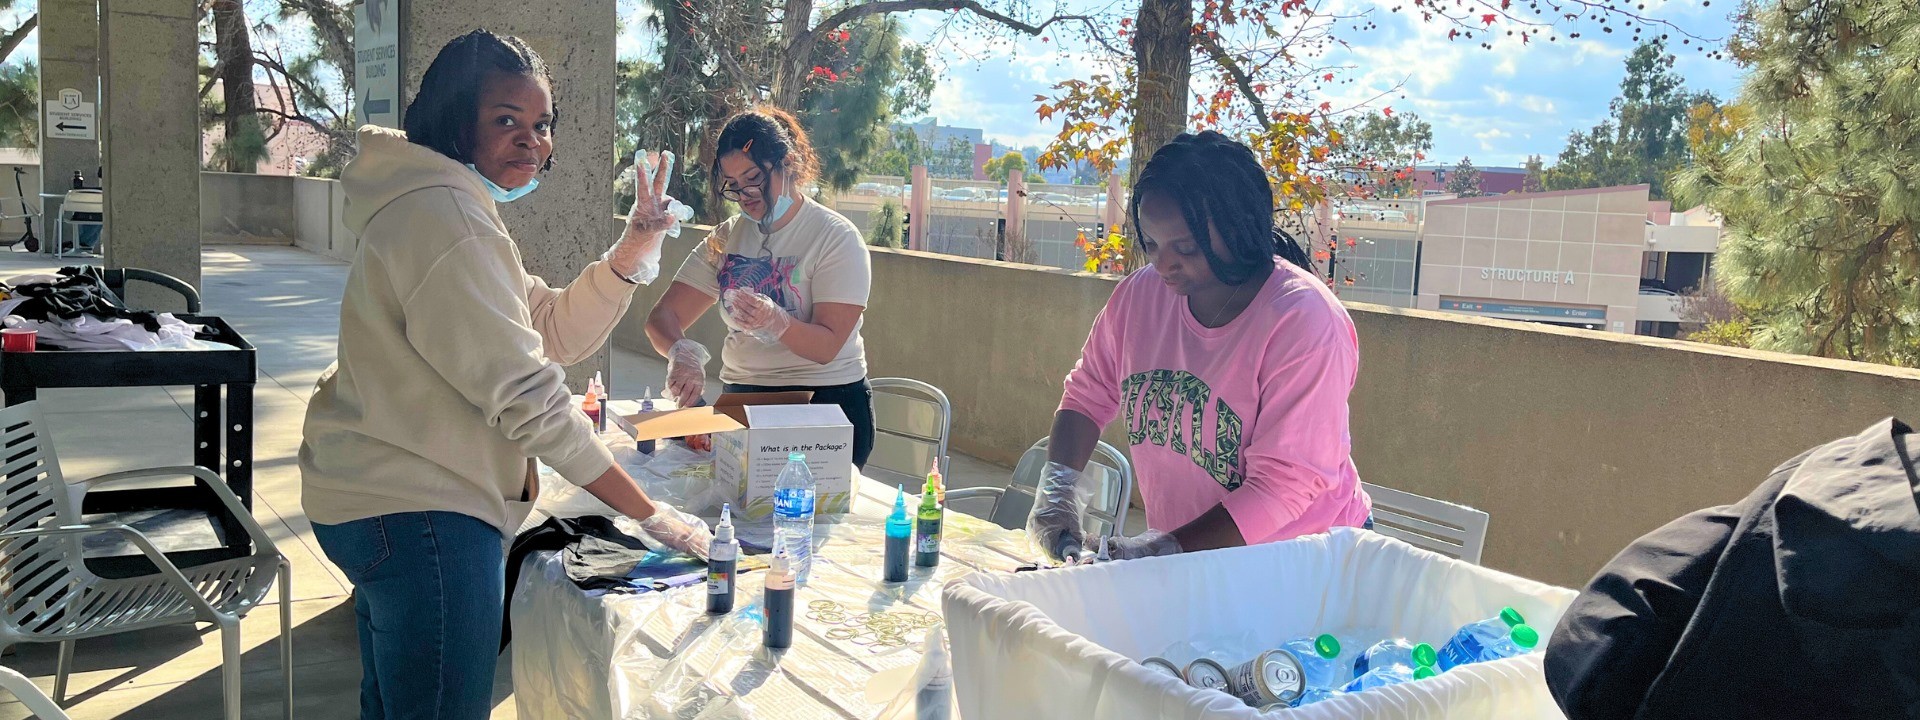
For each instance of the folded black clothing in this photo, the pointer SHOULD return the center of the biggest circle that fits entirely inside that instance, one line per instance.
(81, 290)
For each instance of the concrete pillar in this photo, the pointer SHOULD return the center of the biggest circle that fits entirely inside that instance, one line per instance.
(919, 208)
(1016, 214)
(1115, 212)
(562, 227)
(150, 140)
(69, 58)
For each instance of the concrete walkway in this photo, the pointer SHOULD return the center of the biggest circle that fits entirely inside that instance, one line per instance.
(287, 302)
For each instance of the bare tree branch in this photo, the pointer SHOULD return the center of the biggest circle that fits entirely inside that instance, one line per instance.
(1227, 63)
(19, 35)
(315, 123)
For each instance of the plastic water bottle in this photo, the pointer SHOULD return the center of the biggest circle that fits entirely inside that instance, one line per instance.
(1519, 640)
(1470, 643)
(1316, 694)
(1319, 660)
(1388, 675)
(1398, 651)
(793, 497)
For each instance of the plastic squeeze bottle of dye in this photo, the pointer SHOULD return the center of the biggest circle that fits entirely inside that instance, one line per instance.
(591, 405)
(779, 598)
(899, 538)
(646, 447)
(722, 559)
(927, 550)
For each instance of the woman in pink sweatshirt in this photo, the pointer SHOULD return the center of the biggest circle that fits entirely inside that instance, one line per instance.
(1232, 362)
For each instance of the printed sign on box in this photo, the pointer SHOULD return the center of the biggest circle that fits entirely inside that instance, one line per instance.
(751, 459)
(752, 435)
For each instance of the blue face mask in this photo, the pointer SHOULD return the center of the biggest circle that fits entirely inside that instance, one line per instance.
(503, 195)
(780, 208)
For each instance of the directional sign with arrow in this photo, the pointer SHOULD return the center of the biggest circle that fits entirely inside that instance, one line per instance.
(70, 118)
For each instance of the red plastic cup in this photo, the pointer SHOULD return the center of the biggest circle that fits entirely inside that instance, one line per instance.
(20, 340)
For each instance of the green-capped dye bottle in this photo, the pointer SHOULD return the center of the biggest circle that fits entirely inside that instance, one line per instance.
(928, 520)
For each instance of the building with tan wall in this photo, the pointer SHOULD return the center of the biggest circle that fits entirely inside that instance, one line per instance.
(1602, 259)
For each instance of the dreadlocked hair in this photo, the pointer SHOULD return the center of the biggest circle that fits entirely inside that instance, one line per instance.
(443, 112)
(1217, 183)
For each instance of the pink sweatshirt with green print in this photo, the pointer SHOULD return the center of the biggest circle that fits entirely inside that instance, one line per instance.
(1252, 414)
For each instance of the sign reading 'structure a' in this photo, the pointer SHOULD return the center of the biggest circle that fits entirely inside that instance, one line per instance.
(1551, 277)
(70, 118)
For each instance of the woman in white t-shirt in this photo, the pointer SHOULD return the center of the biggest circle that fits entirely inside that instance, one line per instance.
(790, 275)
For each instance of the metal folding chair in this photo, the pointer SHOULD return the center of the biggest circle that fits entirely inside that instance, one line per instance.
(1108, 471)
(911, 424)
(48, 594)
(1443, 527)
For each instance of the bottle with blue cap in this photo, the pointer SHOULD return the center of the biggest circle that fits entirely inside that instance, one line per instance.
(899, 538)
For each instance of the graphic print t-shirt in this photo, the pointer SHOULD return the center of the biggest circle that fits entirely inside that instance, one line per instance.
(817, 258)
(1252, 414)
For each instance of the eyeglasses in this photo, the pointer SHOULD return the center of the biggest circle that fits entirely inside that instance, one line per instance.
(736, 193)
(754, 190)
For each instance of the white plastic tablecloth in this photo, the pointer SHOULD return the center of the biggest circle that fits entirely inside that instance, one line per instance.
(587, 655)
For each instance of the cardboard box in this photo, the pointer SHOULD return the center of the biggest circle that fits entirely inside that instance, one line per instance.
(752, 435)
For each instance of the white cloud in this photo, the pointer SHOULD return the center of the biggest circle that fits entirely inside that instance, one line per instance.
(1500, 97)
(1536, 104)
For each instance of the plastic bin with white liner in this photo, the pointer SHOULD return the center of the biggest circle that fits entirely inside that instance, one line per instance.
(1063, 644)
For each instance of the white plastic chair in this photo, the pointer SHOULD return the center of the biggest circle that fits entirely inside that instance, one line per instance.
(1108, 470)
(47, 593)
(1453, 530)
(28, 694)
(912, 421)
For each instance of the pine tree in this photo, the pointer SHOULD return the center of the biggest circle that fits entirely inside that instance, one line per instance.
(1814, 171)
(20, 105)
(1464, 179)
(886, 225)
(1645, 139)
(861, 82)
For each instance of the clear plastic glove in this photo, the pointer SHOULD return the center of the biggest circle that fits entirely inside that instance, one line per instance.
(677, 530)
(1146, 544)
(755, 314)
(1054, 524)
(687, 372)
(654, 216)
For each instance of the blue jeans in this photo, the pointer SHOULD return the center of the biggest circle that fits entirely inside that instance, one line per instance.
(428, 592)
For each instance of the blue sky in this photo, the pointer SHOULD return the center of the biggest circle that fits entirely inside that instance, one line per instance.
(1497, 106)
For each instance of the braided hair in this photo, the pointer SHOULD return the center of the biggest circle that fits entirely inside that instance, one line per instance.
(446, 107)
(1217, 183)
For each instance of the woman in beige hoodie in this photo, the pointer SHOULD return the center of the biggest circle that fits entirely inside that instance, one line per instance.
(420, 440)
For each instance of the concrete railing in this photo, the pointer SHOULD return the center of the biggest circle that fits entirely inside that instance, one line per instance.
(275, 209)
(1576, 442)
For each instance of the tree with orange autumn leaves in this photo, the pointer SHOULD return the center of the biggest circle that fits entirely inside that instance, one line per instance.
(1261, 70)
